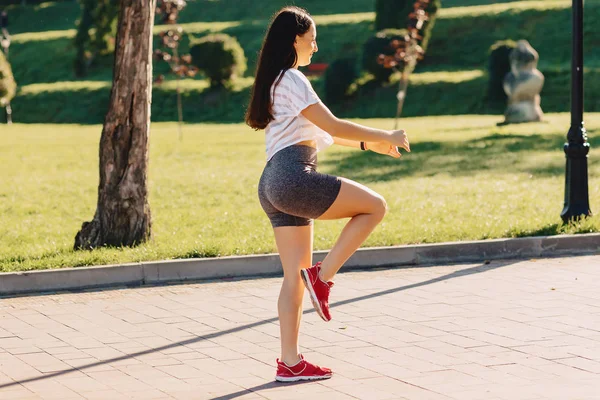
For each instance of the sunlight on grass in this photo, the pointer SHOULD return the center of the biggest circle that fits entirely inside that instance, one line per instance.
(42, 36)
(168, 85)
(445, 76)
(238, 84)
(465, 179)
(195, 27)
(472, 11)
(351, 18)
(68, 86)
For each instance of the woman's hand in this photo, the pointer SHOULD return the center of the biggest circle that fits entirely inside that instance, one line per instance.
(384, 148)
(399, 138)
(390, 146)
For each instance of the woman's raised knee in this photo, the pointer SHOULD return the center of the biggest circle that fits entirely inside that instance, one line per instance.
(381, 207)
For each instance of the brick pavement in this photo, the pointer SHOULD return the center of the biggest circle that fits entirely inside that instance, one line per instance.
(518, 330)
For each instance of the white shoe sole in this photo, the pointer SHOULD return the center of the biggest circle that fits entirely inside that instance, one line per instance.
(301, 378)
(313, 295)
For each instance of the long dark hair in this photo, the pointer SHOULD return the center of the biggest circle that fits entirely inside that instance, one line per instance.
(277, 54)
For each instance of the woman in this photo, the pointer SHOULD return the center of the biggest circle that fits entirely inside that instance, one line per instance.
(292, 193)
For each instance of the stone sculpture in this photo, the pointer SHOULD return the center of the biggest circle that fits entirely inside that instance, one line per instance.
(523, 85)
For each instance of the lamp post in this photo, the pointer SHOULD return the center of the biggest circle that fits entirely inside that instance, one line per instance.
(576, 149)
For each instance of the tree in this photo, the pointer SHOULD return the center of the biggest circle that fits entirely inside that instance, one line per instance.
(410, 50)
(8, 87)
(396, 14)
(180, 65)
(95, 32)
(122, 215)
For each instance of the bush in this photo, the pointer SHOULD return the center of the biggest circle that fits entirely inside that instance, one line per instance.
(340, 74)
(220, 57)
(380, 44)
(498, 67)
(8, 86)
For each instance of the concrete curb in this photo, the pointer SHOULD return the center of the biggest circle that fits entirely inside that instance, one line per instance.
(258, 265)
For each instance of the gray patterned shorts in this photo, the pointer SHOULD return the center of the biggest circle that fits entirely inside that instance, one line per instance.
(291, 191)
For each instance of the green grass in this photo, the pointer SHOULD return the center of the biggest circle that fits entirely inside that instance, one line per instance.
(453, 73)
(465, 179)
(454, 93)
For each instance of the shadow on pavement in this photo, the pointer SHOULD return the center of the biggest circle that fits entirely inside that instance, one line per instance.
(264, 386)
(456, 274)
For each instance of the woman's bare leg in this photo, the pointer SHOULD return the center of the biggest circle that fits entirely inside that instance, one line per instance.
(294, 244)
(366, 209)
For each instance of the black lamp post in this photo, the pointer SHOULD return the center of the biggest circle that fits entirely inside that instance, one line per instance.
(577, 202)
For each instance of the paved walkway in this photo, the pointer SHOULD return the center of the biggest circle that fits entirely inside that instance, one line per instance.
(518, 330)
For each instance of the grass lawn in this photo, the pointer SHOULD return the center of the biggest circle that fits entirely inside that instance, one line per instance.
(453, 71)
(465, 179)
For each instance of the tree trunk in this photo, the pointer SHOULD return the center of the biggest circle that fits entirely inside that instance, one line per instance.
(122, 215)
(8, 112)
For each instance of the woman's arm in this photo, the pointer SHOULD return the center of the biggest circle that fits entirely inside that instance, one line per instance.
(377, 147)
(353, 143)
(346, 142)
(320, 115)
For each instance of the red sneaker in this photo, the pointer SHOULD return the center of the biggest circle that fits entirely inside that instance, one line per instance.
(318, 290)
(301, 371)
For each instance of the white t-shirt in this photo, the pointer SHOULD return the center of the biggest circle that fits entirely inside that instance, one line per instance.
(292, 95)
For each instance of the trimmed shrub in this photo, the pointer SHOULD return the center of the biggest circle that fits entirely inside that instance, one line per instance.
(220, 57)
(498, 67)
(340, 74)
(8, 86)
(380, 44)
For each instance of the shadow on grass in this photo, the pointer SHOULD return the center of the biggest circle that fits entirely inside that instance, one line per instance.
(574, 227)
(496, 152)
(456, 274)
(89, 106)
(49, 61)
(236, 10)
(51, 16)
(459, 98)
(467, 3)
(479, 32)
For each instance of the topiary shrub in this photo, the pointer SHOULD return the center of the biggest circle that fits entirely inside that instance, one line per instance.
(220, 57)
(498, 67)
(380, 44)
(8, 86)
(340, 74)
